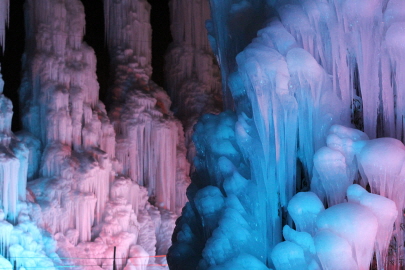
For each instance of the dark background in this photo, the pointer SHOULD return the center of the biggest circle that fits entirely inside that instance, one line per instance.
(14, 47)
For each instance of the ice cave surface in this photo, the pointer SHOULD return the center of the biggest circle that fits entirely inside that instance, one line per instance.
(302, 170)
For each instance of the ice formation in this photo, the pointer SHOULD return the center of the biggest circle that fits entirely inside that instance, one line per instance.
(98, 183)
(283, 162)
(343, 236)
(300, 76)
(192, 75)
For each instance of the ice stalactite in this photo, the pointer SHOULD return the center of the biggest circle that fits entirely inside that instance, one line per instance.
(192, 75)
(148, 136)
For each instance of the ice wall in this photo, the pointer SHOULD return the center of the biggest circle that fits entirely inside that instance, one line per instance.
(149, 138)
(192, 75)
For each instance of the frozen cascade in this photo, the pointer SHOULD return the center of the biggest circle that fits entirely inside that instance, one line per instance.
(192, 76)
(147, 133)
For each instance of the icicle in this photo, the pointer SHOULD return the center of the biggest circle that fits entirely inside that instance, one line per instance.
(4, 19)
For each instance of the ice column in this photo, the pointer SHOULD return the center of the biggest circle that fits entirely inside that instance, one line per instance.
(192, 75)
(147, 134)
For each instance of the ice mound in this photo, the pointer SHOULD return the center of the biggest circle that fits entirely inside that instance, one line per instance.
(345, 235)
(379, 162)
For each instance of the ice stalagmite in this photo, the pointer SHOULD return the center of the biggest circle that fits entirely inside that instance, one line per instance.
(192, 75)
(147, 134)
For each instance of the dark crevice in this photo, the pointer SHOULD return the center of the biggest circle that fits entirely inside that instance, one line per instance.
(161, 37)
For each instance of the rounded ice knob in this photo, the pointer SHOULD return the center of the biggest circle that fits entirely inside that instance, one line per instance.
(304, 208)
